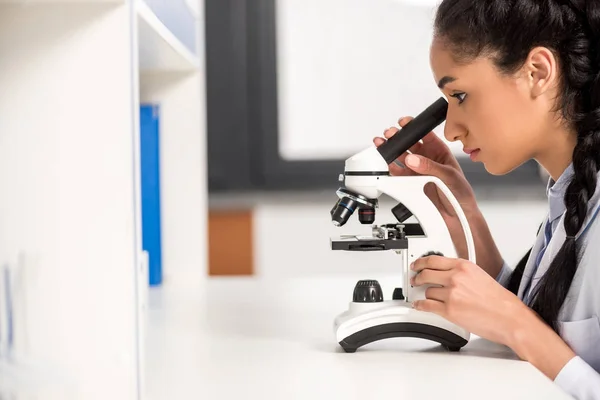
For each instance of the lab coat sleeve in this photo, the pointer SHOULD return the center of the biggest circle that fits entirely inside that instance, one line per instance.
(504, 276)
(579, 379)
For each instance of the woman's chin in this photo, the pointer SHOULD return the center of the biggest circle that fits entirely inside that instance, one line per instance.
(498, 169)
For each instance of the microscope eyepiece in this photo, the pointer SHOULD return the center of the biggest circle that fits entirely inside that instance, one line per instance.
(414, 131)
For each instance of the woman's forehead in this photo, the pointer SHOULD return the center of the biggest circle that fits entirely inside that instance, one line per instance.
(441, 61)
(446, 69)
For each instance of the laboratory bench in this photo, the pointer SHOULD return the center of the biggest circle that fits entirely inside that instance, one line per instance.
(257, 338)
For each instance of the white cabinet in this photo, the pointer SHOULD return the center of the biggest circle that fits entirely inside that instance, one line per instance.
(73, 75)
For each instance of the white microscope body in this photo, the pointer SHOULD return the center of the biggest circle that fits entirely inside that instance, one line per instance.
(369, 317)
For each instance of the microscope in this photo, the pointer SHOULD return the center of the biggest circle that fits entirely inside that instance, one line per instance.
(369, 317)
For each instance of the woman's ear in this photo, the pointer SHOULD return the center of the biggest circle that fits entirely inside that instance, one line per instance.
(541, 68)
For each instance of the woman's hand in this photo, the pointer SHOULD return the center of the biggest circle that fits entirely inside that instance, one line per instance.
(467, 296)
(433, 157)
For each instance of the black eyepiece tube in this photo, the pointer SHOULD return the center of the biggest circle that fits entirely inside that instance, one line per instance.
(414, 131)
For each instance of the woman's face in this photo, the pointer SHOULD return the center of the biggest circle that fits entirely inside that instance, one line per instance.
(495, 115)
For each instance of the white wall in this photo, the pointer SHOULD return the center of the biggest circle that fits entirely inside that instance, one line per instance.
(347, 70)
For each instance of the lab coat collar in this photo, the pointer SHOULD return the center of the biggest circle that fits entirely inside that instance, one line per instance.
(555, 190)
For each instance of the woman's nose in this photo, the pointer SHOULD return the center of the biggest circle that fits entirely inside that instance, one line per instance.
(453, 129)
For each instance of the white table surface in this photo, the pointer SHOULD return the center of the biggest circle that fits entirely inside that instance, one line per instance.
(250, 338)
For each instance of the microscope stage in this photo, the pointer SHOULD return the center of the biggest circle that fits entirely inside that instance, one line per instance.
(367, 243)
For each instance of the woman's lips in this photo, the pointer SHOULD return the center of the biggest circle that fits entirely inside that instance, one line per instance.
(473, 153)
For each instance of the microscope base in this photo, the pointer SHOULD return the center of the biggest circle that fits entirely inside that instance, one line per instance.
(364, 323)
(450, 341)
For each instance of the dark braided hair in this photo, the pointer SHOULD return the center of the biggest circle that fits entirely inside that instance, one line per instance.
(506, 31)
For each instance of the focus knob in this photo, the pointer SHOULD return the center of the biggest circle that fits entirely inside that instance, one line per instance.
(432, 253)
(398, 295)
(401, 212)
(367, 291)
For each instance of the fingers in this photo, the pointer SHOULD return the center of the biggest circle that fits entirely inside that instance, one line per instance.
(388, 133)
(435, 300)
(398, 169)
(431, 277)
(437, 293)
(439, 263)
(378, 141)
(431, 138)
(404, 120)
(429, 305)
(425, 166)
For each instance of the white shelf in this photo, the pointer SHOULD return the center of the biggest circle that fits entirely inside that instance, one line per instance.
(159, 49)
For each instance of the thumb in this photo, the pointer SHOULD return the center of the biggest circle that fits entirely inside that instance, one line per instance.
(425, 166)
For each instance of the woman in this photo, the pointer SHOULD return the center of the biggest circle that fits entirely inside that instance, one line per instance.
(522, 78)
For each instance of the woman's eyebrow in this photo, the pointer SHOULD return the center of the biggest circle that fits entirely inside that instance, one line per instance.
(445, 80)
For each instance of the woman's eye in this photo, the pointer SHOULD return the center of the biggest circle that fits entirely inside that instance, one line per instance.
(460, 96)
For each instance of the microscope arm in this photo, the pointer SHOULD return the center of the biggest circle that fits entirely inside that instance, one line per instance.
(410, 192)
